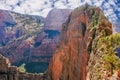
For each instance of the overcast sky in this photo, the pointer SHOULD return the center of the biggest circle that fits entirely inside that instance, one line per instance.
(111, 8)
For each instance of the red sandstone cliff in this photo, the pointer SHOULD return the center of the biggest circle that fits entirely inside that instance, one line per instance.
(79, 36)
(70, 59)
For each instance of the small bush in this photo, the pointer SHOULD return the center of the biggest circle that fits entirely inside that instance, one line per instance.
(22, 68)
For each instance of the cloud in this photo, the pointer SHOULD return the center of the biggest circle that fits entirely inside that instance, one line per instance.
(11, 2)
(60, 4)
(42, 7)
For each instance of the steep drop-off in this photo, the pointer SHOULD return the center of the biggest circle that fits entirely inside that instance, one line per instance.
(87, 50)
(8, 72)
(104, 62)
(84, 24)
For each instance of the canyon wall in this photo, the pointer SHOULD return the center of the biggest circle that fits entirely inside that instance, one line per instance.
(86, 50)
(30, 39)
(75, 45)
(8, 72)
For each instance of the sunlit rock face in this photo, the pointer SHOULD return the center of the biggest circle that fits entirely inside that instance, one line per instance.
(79, 54)
(72, 54)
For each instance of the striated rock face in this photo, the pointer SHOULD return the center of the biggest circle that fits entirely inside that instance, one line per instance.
(8, 72)
(17, 35)
(46, 42)
(5, 19)
(70, 59)
(87, 50)
(25, 39)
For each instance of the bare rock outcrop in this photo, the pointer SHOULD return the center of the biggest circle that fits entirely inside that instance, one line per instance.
(72, 54)
(8, 72)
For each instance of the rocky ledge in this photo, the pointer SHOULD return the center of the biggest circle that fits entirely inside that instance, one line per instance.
(8, 72)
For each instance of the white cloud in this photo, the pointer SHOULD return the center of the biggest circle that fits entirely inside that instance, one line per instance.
(12, 2)
(112, 3)
(60, 4)
(107, 6)
(119, 9)
(42, 7)
(19, 9)
(43, 13)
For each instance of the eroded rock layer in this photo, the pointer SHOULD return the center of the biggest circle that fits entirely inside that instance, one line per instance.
(30, 39)
(71, 57)
(8, 72)
(87, 50)
(17, 35)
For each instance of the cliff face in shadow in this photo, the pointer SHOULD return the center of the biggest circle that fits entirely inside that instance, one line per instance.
(71, 57)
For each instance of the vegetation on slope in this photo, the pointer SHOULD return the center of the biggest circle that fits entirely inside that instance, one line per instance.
(108, 46)
(104, 61)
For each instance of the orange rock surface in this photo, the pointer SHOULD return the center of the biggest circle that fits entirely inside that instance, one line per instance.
(70, 59)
